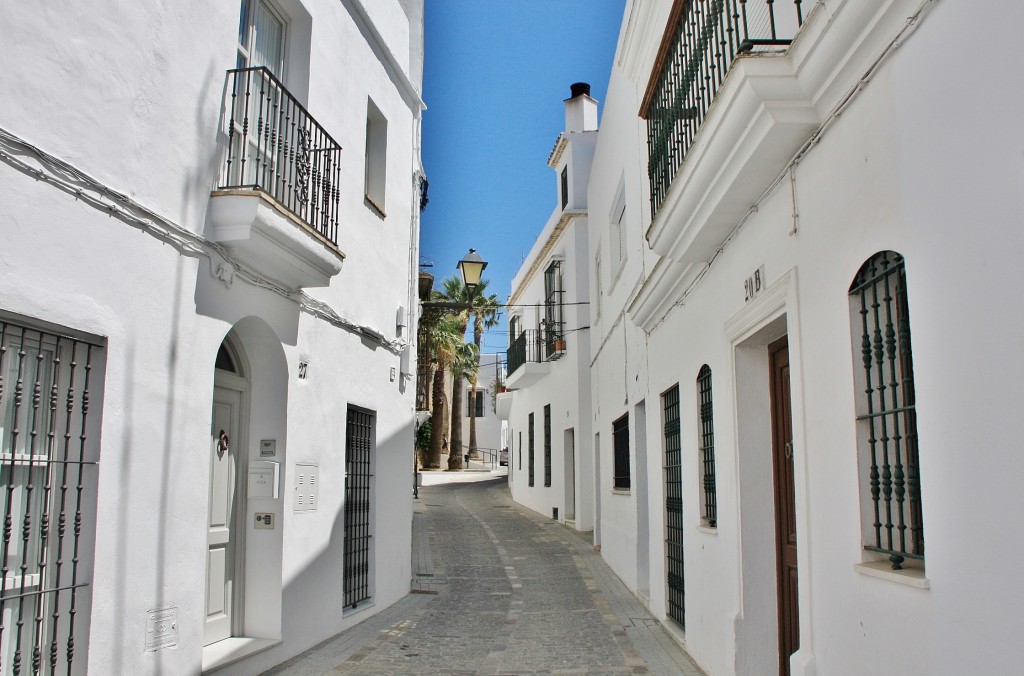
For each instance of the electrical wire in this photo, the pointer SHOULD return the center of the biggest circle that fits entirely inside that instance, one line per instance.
(70, 180)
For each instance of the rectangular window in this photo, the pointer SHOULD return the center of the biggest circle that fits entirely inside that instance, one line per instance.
(474, 406)
(547, 445)
(376, 156)
(889, 463)
(520, 452)
(621, 479)
(554, 336)
(261, 33)
(616, 229)
(529, 452)
(707, 447)
(565, 186)
(360, 439)
(51, 388)
(673, 505)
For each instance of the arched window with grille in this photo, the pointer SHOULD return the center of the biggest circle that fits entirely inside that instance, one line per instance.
(709, 516)
(886, 414)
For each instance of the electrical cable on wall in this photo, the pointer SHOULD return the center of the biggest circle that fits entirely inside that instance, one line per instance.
(85, 188)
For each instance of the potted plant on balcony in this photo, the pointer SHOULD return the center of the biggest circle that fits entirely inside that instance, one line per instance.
(559, 344)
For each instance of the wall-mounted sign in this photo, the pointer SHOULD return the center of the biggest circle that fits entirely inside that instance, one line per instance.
(161, 629)
(268, 448)
(753, 284)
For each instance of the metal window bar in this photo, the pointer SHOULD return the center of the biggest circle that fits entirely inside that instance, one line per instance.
(529, 452)
(276, 146)
(48, 481)
(359, 442)
(674, 507)
(621, 479)
(707, 446)
(554, 335)
(547, 445)
(526, 348)
(702, 40)
(880, 297)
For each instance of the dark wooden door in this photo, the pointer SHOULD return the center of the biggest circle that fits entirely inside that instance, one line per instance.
(785, 504)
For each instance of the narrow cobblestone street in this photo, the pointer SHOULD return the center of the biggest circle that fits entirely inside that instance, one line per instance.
(500, 590)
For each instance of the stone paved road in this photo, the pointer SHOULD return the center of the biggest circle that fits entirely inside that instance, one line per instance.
(510, 593)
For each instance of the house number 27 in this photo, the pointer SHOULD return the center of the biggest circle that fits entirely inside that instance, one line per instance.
(753, 284)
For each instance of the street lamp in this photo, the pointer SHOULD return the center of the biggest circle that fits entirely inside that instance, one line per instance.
(472, 267)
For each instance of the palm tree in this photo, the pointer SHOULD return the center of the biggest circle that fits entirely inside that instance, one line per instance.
(464, 364)
(486, 311)
(445, 339)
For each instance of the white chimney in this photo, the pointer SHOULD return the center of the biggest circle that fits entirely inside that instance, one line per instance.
(580, 109)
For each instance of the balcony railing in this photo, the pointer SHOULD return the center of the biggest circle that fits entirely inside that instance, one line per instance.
(528, 347)
(701, 42)
(534, 346)
(275, 145)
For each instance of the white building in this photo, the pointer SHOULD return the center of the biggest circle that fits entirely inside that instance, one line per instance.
(805, 332)
(210, 219)
(488, 425)
(549, 357)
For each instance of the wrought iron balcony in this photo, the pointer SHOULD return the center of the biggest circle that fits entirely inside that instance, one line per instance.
(702, 40)
(527, 347)
(533, 346)
(275, 146)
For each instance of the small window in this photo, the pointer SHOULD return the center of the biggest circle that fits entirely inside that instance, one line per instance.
(709, 517)
(621, 480)
(376, 156)
(474, 405)
(547, 445)
(890, 476)
(565, 186)
(529, 451)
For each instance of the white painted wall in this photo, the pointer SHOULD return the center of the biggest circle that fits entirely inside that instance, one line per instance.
(565, 385)
(132, 97)
(488, 428)
(906, 168)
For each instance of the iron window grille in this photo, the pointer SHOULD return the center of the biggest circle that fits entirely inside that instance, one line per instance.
(529, 451)
(703, 38)
(50, 403)
(554, 335)
(359, 487)
(547, 445)
(474, 405)
(887, 416)
(621, 478)
(674, 506)
(707, 446)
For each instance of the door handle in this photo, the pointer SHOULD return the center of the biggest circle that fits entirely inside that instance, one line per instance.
(789, 450)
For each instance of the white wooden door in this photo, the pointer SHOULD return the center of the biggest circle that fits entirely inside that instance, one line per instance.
(220, 557)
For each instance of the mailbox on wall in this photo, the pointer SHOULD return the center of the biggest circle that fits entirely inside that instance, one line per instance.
(263, 479)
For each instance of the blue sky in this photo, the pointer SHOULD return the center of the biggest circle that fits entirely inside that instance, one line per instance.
(496, 74)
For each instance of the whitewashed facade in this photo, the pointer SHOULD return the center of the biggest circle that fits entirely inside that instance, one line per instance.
(857, 194)
(488, 425)
(548, 362)
(247, 349)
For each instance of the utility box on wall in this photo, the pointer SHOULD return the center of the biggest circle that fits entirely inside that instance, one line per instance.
(307, 487)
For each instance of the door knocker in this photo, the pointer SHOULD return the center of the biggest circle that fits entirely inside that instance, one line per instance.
(222, 444)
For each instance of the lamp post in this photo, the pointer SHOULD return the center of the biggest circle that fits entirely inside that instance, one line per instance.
(472, 267)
